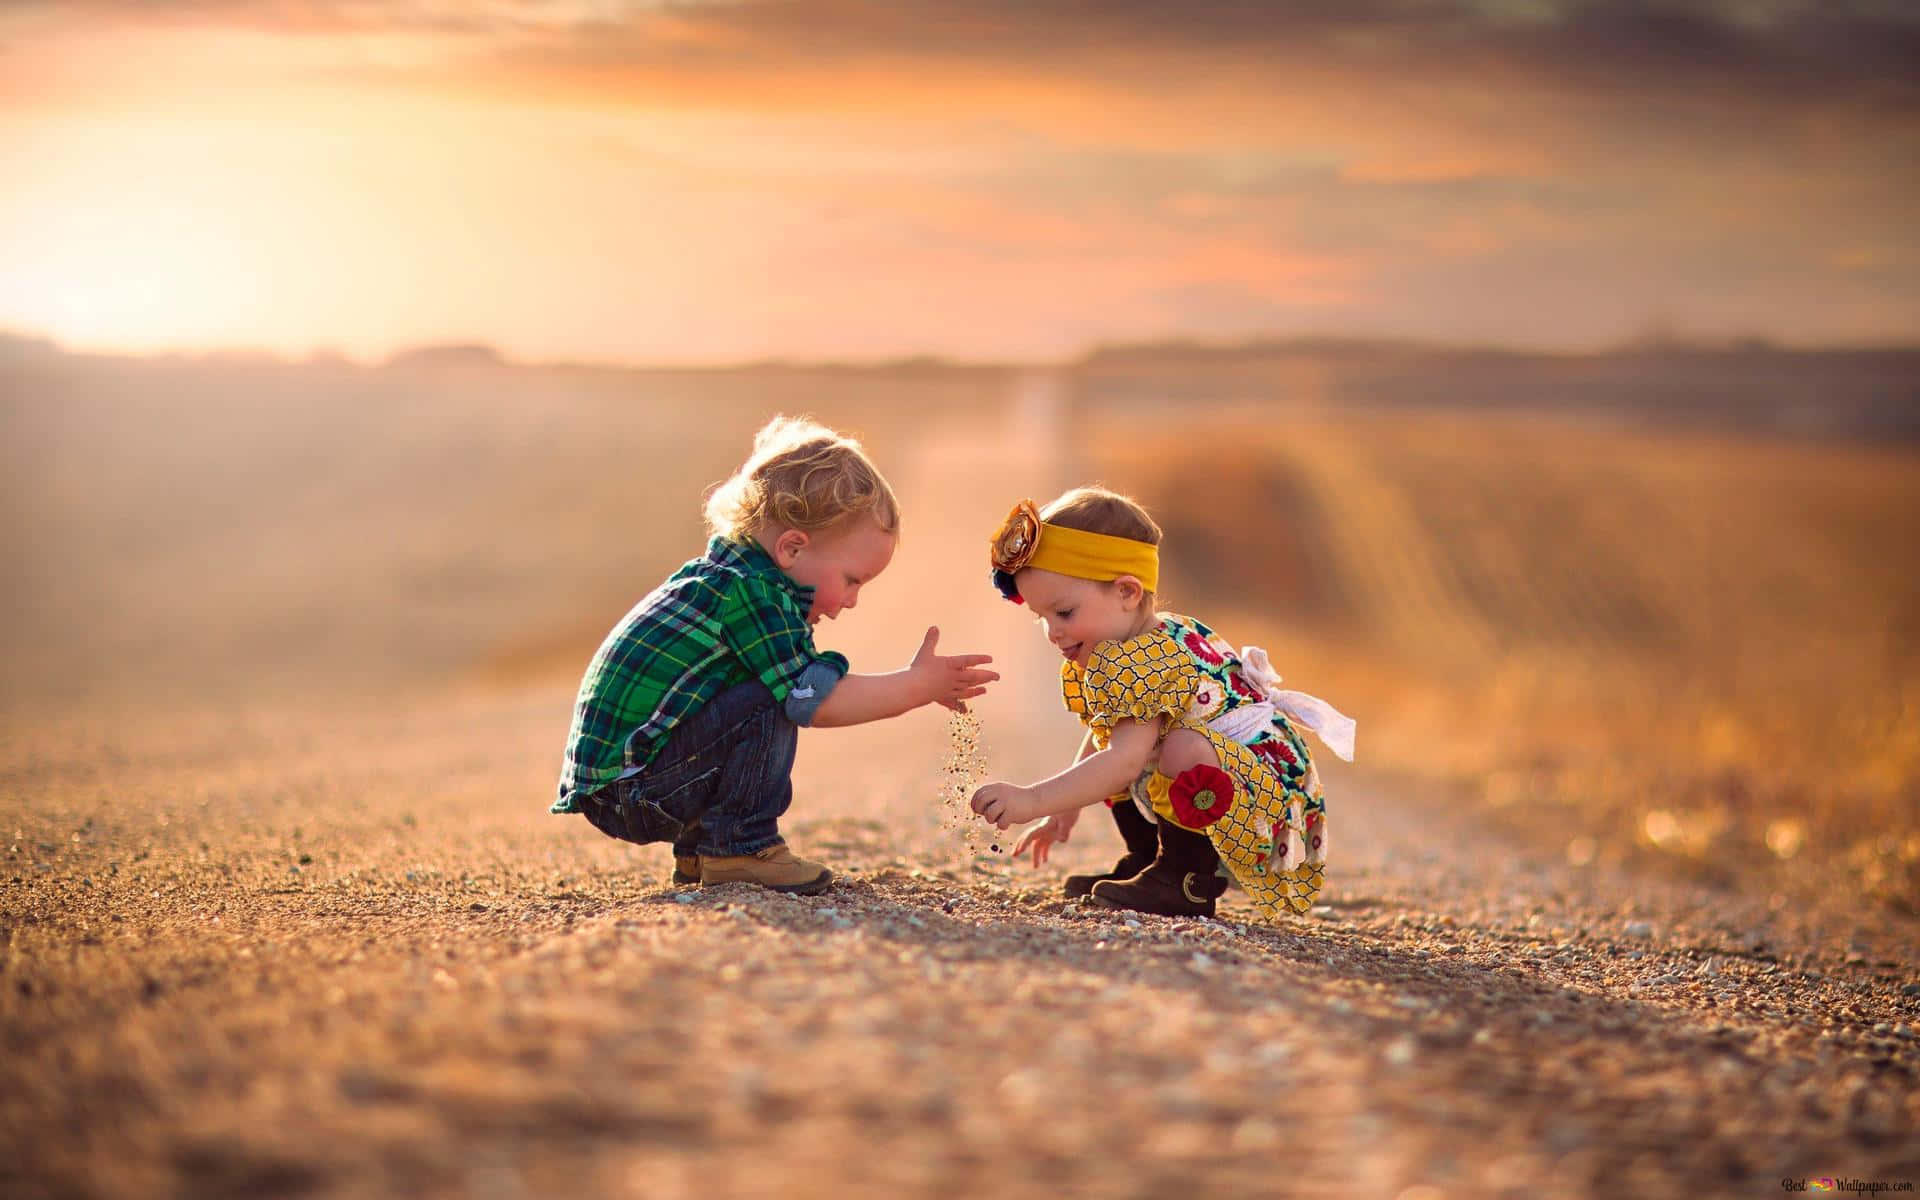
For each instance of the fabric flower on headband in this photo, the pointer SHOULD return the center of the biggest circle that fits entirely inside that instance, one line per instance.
(1018, 538)
(1013, 547)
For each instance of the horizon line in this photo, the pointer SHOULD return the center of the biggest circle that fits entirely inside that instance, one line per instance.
(480, 353)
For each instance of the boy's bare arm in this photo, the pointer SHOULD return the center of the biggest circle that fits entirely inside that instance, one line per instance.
(931, 678)
(858, 699)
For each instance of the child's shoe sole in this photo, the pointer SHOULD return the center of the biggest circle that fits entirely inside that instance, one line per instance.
(812, 887)
(802, 889)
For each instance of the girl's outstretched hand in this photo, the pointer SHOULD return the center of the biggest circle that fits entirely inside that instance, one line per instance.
(1056, 829)
(1004, 804)
(950, 679)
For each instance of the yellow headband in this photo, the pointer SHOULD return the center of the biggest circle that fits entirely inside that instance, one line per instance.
(1027, 541)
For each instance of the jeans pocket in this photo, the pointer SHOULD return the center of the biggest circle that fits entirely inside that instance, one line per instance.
(619, 813)
(648, 822)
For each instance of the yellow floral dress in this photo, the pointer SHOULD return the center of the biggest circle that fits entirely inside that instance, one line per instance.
(1272, 837)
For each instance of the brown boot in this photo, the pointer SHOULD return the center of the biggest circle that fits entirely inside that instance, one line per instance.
(1142, 844)
(686, 869)
(1184, 881)
(775, 868)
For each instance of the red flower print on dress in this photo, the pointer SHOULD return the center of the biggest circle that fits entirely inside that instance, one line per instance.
(1245, 687)
(1200, 796)
(1203, 651)
(1277, 754)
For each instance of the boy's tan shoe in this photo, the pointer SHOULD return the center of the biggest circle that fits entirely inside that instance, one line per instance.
(775, 868)
(686, 869)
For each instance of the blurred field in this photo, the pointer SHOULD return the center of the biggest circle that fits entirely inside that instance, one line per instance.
(203, 530)
(1688, 648)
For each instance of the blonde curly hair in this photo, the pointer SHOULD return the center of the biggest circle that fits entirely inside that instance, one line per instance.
(801, 475)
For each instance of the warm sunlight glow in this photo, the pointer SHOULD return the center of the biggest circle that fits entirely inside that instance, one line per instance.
(150, 237)
(796, 179)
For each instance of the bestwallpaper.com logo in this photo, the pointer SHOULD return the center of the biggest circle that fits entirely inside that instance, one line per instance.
(1831, 1183)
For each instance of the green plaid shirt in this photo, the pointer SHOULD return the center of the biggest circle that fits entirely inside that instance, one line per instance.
(721, 620)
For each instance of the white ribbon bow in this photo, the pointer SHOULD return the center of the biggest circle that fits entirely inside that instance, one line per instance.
(1334, 728)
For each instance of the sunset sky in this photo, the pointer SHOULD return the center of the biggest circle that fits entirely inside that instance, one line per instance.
(991, 179)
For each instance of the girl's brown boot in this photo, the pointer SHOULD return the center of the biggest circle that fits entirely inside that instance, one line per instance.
(1184, 881)
(1142, 844)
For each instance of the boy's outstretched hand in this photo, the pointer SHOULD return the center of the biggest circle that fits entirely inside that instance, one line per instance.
(950, 679)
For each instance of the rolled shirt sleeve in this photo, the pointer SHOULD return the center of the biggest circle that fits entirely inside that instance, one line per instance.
(821, 676)
(764, 626)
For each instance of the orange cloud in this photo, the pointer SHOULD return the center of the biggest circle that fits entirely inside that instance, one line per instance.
(827, 176)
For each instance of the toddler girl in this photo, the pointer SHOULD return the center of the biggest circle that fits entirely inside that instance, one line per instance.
(1191, 743)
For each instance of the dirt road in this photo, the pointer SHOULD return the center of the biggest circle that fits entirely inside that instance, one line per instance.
(239, 962)
(321, 947)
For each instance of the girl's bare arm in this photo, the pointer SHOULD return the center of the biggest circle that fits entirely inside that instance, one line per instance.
(1093, 778)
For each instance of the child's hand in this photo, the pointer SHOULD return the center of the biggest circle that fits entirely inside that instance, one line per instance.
(1005, 804)
(1042, 837)
(951, 680)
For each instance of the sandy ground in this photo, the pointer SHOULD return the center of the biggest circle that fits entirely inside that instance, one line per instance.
(319, 947)
(301, 971)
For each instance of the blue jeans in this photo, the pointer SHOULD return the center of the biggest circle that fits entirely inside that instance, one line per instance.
(718, 786)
